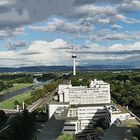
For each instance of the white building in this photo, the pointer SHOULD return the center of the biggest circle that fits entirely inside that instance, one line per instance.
(98, 92)
(86, 105)
(84, 117)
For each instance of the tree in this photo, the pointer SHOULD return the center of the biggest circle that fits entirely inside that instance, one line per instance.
(3, 117)
(99, 131)
(134, 138)
(16, 103)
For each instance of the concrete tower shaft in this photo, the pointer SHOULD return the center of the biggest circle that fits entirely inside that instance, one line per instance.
(74, 56)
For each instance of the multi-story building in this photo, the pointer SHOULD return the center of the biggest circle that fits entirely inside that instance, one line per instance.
(84, 117)
(85, 106)
(98, 92)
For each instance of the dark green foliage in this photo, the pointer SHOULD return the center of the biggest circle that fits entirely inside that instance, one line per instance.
(103, 123)
(8, 80)
(23, 80)
(18, 126)
(16, 102)
(46, 76)
(125, 86)
(3, 117)
(5, 85)
(36, 94)
(99, 132)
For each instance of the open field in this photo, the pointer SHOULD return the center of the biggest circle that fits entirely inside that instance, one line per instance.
(66, 137)
(9, 104)
(15, 88)
(133, 123)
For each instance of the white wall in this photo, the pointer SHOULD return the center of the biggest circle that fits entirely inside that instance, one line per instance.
(122, 117)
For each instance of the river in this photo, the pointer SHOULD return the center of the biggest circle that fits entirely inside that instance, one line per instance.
(23, 90)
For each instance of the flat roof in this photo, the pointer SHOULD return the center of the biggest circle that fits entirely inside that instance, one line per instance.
(90, 105)
(59, 103)
(54, 126)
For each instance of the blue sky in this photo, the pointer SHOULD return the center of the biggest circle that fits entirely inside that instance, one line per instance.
(42, 32)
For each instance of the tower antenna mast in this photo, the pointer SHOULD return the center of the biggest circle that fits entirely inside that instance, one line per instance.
(74, 56)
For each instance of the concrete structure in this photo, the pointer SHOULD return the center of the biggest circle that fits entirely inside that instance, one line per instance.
(53, 107)
(86, 105)
(98, 92)
(74, 56)
(84, 117)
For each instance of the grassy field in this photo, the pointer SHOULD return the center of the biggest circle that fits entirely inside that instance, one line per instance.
(133, 123)
(122, 109)
(66, 137)
(9, 104)
(16, 87)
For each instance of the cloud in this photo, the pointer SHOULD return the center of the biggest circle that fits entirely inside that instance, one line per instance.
(59, 25)
(116, 27)
(16, 45)
(53, 53)
(38, 53)
(126, 19)
(4, 33)
(29, 11)
(129, 6)
(6, 2)
(109, 35)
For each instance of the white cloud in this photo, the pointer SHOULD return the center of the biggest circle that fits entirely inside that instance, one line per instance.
(6, 2)
(115, 26)
(59, 25)
(126, 19)
(11, 32)
(53, 53)
(38, 53)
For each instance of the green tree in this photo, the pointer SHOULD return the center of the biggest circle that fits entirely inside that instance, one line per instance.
(3, 117)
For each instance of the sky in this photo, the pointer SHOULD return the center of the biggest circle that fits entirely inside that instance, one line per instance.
(42, 32)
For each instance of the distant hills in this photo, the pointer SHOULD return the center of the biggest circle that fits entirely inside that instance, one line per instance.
(65, 68)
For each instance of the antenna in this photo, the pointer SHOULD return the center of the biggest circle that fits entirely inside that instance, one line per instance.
(74, 56)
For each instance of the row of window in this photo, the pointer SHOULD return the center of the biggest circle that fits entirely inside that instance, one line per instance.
(69, 124)
(69, 130)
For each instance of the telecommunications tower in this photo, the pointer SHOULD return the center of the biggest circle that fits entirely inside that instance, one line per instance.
(74, 56)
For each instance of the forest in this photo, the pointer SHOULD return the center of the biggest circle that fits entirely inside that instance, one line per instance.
(124, 85)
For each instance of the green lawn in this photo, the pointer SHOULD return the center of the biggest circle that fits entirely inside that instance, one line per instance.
(16, 87)
(133, 123)
(66, 137)
(9, 104)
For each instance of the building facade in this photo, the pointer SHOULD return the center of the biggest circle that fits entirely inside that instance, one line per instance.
(98, 92)
(84, 117)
